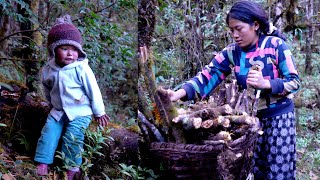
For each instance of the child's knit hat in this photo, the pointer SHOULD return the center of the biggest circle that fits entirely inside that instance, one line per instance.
(63, 32)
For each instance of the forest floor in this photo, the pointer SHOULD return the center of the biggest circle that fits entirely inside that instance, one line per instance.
(308, 144)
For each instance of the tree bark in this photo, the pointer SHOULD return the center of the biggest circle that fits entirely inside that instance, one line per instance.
(308, 67)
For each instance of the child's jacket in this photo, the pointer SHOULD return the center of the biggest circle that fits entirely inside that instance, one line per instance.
(72, 89)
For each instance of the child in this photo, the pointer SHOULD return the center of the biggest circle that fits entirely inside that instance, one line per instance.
(73, 95)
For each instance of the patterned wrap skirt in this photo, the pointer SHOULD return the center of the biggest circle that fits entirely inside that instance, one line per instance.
(275, 152)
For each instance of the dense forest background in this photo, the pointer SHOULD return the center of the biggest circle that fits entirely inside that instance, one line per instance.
(185, 35)
(181, 36)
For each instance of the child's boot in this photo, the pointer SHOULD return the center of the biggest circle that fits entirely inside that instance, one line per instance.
(42, 169)
(71, 174)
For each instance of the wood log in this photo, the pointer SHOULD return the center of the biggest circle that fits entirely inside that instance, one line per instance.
(222, 135)
(188, 122)
(231, 89)
(241, 119)
(240, 106)
(210, 113)
(224, 122)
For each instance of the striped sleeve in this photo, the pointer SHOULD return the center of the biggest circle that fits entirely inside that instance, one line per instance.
(210, 77)
(288, 81)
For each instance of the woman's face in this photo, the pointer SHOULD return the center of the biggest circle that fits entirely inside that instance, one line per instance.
(66, 54)
(243, 33)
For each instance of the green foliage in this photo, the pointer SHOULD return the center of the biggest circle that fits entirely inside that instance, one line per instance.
(136, 172)
(93, 144)
(109, 34)
(7, 8)
(173, 33)
(308, 143)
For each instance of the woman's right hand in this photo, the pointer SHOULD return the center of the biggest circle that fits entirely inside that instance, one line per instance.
(176, 95)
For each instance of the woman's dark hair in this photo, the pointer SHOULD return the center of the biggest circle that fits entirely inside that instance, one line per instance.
(249, 12)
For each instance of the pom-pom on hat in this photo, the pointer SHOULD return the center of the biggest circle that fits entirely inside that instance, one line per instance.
(63, 32)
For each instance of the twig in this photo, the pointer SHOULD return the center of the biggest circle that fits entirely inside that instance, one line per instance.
(19, 59)
(24, 31)
(14, 118)
(153, 129)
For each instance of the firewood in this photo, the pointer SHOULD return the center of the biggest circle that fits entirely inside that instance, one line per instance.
(191, 123)
(241, 129)
(201, 105)
(181, 111)
(210, 113)
(188, 122)
(222, 135)
(239, 108)
(231, 93)
(224, 122)
(207, 124)
(241, 119)
(222, 110)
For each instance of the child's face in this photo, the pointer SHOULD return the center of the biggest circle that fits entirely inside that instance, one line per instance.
(66, 54)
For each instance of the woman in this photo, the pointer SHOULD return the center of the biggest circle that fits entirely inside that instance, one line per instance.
(277, 80)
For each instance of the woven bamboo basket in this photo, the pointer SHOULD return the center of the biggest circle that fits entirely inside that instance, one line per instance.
(203, 161)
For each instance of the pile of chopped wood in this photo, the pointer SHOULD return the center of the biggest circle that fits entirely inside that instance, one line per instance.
(224, 124)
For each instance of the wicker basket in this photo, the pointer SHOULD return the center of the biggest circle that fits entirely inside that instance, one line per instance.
(192, 161)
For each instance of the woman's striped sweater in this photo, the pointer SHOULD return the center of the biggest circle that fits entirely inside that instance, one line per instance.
(276, 61)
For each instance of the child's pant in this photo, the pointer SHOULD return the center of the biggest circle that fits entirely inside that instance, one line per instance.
(72, 140)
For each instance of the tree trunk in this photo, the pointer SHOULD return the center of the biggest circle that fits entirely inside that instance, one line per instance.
(4, 31)
(309, 8)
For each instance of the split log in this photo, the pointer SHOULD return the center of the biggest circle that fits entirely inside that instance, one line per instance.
(201, 105)
(231, 89)
(241, 119)
(240, 107)
(188, 122)
(224, 122)
(210, 113)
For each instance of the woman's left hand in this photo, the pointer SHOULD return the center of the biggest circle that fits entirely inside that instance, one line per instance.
(256, 80)
(103, 120)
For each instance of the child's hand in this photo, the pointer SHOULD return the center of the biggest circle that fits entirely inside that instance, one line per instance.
(103, 120)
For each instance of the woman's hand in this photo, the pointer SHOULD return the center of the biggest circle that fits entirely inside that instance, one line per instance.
(103, 120)
(176, 95)
(256, 80)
